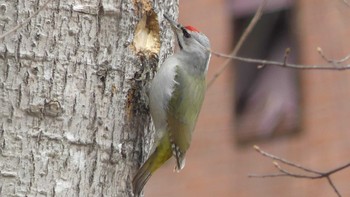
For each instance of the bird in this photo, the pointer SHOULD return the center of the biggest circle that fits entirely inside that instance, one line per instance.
(176, 96)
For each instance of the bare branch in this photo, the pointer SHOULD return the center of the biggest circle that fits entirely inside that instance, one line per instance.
(333, 186)
(286, 53)
(284, 172)
(263, 153)
(342, 60)
(287, 173)
(246, 32)
(338, 169)
(332, 64)
(346, 2)
(335, 64)
(266, 175)
(25, 21)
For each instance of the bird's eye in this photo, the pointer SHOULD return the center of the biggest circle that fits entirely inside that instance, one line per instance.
(186, 34)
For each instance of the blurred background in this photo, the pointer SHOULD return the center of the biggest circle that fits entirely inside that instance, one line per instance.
(221, 156)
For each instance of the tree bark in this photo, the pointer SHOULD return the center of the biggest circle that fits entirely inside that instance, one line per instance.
(73, 105)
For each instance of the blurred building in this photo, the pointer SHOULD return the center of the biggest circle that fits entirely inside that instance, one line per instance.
(217, 166)
(266, 99)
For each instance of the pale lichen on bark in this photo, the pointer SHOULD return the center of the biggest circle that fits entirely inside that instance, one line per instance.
(72, 104)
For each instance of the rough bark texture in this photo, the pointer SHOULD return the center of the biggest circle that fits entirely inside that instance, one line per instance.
(73, 80)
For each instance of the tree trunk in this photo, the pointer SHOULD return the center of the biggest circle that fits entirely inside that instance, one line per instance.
(73, 111)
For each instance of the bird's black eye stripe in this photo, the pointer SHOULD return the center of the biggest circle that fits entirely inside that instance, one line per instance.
(186, 34)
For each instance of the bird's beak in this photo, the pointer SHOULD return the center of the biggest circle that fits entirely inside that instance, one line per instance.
(176, 28)
(174, 25)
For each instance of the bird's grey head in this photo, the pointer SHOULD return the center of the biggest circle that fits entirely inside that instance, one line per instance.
(194, 43)
(188, 36)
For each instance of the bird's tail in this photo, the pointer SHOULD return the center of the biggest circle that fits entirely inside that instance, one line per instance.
(160, 155)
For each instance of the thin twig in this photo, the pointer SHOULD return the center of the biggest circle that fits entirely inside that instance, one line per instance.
(263, 153)
(25, 21)
(346, 2)
(244, 36)
(338, 169)
(267, 175)
(333, 186)
(334, 65)
(342, 60)
(283, 172)
(286, 172)
(286, 54)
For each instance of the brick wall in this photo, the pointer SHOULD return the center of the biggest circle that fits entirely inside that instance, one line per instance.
(216, 166)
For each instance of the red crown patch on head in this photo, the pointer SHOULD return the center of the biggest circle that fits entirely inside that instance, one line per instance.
(191, 28)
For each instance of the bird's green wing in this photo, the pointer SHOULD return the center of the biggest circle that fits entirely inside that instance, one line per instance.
(183, 110)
